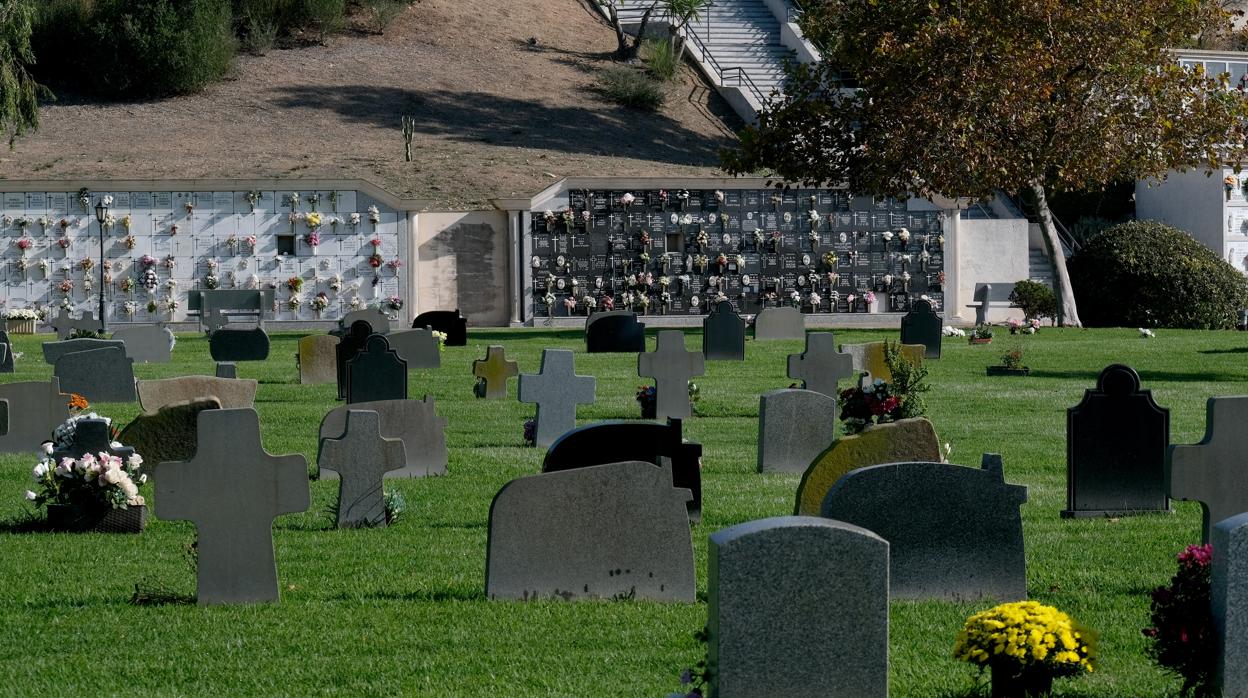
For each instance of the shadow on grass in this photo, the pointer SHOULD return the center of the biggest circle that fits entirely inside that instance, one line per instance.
(26, 522)
(422, 595)
(1145, 376)
(1236, 350)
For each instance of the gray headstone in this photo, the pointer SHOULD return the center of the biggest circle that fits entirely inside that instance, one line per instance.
(317, 364)
(1230, 604)
(1212, 472)
(954, 532)
(797, 606)
(607, 531)
(147, 344)
(215, 319)
(53, 351)
(723, 334)
(495, 369)
(671, 366)
(227, 369)
(231, 393)
(419, 348)
(779, 323)
(614, 331)
(820, 367)
(6, 353)
(377, 373)
(922, 326)
(65, 326)
(361, 456)
(557, 390)
(794, 427)
(376, 319)
(351, 344)
(238, 344)
(100, 375)
(90, 436)
(36, 408)
(232, 490)
(170, 433)
(413, 422)
(1116, 441)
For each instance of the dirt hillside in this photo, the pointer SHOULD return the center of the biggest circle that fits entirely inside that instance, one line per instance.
(495, 116)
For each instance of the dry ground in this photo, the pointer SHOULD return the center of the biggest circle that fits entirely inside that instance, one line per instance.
(495, 117)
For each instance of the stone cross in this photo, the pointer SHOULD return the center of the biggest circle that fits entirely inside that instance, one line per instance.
(362, 457)
(233, 490)
(557, 390)
(91, 436)
(495, 369)
(821, 366)
(65, 325)
(671, 366)
(1212, 472)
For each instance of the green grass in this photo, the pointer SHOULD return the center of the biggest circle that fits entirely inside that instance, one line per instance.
(401, 610)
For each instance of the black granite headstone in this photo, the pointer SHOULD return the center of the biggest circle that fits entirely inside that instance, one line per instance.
(351, 344)
(449, 321)
(723, 334)
(236, 344)
(91, 436)
(1116, 441)
(615, 331)
(922, 326)
(614, 442)
(376, 373)
(6, 353)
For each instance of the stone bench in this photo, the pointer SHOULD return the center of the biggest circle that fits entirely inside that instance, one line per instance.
(994, 295)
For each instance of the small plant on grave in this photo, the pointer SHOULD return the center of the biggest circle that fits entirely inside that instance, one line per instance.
(1028, 326)
(530, 432)
(86, 334)
(150, 592)
(864, 405)
(981, 332)
(1013, 359)
(478, 388)
(909, 381)
(695, 681)
(1026, 645)
(396, 505)
(1184, 640)
(646, 396)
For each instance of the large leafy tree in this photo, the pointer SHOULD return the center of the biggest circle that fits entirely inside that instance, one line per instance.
(19, 93)
(961, 98)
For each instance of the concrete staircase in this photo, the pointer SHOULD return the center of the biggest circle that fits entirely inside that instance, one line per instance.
(739, 45)
(1038, 266)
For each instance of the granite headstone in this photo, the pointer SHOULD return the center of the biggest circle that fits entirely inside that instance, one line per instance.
(1212, 472)
(723, 334)
(100, 375)
(671, 366)
(377, 321)
(317, 364)
(147, 344)
(419, 348)
(91, 435)
(36, 408)
(449, 322)
(820, 367)
(494, 371)
(556, 390)
(794, 427)
(239, 344)
(614, 331)
(1230, 604)
(600, 532)
(351, 344)
(413, 422)
(53, 351)
(922, 326)
(361, 457)
(376, 373)
(66, 326)
(869, 357)
(6, 353)
(231, 393)
(779, 323)
(168, 434)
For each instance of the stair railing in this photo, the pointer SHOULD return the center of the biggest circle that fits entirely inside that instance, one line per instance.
(731, 76)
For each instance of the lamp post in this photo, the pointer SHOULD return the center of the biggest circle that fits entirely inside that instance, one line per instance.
(101, 213)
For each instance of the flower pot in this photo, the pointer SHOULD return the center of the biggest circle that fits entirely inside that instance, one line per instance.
(1006, 371)
(1014, 682)
(102, 519)
(20, 326)
(981, 340)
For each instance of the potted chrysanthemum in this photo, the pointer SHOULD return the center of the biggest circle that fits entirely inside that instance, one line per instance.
(1025, 645)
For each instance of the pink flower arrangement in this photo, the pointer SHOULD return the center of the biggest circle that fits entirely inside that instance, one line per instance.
(393, 265)
(313, 239)
(251, 241)
(375, 242)
(64, 243)
(25, 243)
(147, 260)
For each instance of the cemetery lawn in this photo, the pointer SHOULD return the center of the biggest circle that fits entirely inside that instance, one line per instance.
(402, 610)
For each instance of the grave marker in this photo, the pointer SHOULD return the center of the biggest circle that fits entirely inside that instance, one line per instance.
(961, 535)
(227, 369)
(1212, 472)
(413, 422)
(100, 375)
(233, 344)
(232, 490)
(91, 436)
(231, 393)
(869, 357)
(779, 323)
(419, 348)
(170, 433)
(922, 326)
(450, 322)
(671, 366)
(556, 390)
(494, 370)
(316, 358)
(614, 331)
(377, 321)
(65, 326)
(351, 344)
(797, 606)
(904, 441)
(794, 427)
(6, 353)
(147, 344)
(723, 334)
(1230, 604)
(376, 373)
(36, 408)
(1116, 441)
(605, 531)
(53, 351)
(361, 456)
(820, 367)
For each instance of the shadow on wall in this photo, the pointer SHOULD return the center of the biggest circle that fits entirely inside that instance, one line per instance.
(529, 123)
(475, 269)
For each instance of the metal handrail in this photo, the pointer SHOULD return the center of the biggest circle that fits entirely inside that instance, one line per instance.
(742, 78)
(1064, 235)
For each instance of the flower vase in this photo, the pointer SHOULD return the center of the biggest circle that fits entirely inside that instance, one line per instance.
(648, 409)
(981, 340)
(1025, 682)
(101, 519)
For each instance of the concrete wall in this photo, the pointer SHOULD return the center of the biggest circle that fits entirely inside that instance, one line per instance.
(987, 251)
(1188, 200)
(463, 261)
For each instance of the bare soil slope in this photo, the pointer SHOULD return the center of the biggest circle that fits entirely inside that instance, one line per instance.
(495, 116)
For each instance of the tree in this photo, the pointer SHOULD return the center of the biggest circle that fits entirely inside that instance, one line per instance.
(680, 14)
(19, 93)
(626, 50)
(964, 97)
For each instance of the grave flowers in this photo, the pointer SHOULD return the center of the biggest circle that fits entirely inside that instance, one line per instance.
(22, 265)
(66, 287)
(1229, 183)
(722, 261)
(294, 301)
(589, 303)
(313, 220)
(608, 303)
(702, 240)
(24, 244)
(569, 304)
(1028, 326)
(251, 242)
(152, 307)
(295, 284)
(903, 236)
(313, 199)
(1026, 645)
(1011, 364)
(375, 261)
(394, 264)
(293, 218)
(83, 494)
(170, 262)
(86, 264)
(627, 200)
(212, 282)
(45, 266)
(130, 308)
(1183, 636)
(148, 279)
(354, 220)
(64, 243)
(982, 334)
(394, 303)
(44, 222)
(374, 216)
(129, 242)
(84, 198)
(758, 239)
(64, 224)
(313, 240)
(253, 200)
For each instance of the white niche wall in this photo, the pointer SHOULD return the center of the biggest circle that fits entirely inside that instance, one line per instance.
(202, 234)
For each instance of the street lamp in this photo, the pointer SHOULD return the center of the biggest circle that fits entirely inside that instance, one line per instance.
(101, 214)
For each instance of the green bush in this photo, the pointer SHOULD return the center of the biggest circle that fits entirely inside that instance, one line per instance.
(260, 22)
(659, 58)
(631, 88)
(380, 13)
(326, 16)
(1148, 274)
(1036, 299)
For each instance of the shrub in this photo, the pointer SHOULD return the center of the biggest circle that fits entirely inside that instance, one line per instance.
(659, 58)
(326, 16)
(262, 21)
(1148, 274)
(1036, 299)
(1183, 636)
(380, 13)
(631, 88)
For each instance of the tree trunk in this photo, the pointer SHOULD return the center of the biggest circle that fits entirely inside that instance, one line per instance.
(641, 31)
(1067, 312)
(621, 41)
